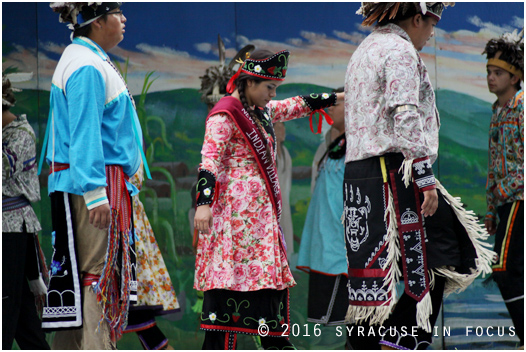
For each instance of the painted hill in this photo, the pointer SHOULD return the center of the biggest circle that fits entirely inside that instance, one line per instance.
(462, 159)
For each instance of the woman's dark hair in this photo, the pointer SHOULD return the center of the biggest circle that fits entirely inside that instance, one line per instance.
(241, 84)
(86, 30)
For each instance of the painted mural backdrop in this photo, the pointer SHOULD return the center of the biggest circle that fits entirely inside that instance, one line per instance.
(167, 46)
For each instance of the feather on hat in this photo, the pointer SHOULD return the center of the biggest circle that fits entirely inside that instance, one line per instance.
(378, 11)
(89, 11)
(8, 98)
(215, 79)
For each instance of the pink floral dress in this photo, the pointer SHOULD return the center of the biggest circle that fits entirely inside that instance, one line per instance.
(243, 251)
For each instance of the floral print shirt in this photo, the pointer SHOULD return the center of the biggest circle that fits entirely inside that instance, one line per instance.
(19, 175)
(506, 155)
(386, 72)
(243, 251)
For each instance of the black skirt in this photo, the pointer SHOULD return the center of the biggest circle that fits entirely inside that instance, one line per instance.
(262, 312)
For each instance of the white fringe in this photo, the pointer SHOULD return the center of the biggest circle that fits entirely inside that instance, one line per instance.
(424, 309)
(457, 282)
(377, 315)
(393, 248)
(407, 171)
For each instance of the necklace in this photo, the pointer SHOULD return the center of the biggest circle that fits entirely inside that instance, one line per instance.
(122, 78)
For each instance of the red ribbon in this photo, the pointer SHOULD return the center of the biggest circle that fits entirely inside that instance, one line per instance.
(320, 121)
(231, 86)
(89, 279)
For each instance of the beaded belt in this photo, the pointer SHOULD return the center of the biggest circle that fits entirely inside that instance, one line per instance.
(12, 203)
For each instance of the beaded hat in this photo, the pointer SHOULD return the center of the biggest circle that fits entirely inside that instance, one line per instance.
(373, 11)
(507, 52)
(80, 14)
(272, 68)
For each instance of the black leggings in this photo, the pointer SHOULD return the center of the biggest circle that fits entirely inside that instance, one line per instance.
(20, 321)
(142, 321)
(508, 272)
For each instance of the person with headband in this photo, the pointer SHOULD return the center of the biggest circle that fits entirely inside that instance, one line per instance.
(24, 272)
(505, 185)
(400, 222)
(241, 262)
(94, 144)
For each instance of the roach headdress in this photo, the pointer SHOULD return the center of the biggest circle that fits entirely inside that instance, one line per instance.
(80, 14)
(378, 11)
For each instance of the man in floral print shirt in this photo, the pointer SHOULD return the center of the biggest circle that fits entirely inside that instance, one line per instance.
(388, 112)
(400, 223)
(505, 184)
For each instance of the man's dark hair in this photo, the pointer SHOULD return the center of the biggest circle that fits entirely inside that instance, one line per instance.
(510, 52)
(86, 30)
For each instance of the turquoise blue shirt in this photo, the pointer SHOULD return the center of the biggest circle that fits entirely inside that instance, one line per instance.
(93, 123)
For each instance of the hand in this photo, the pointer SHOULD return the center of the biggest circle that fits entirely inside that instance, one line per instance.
(100, 217)
(430, 204)
(490, 226)
(340, 97)
(203, 218)
(37, 286)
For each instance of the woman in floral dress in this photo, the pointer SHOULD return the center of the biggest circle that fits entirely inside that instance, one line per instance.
(155, 293)
(241, 264)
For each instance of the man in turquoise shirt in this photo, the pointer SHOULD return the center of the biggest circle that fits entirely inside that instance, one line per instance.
(94, 146)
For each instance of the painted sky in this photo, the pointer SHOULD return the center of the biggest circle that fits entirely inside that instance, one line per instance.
(179, 40)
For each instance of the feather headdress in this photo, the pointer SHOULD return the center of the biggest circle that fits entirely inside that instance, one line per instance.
(69, 11)
(380, 11)
(215, 79)
(507, 52)
(89, 11)
(8, 98)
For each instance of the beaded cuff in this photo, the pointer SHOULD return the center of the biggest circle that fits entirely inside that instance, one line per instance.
(317, 101)
(423, 174)
(205, 188)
